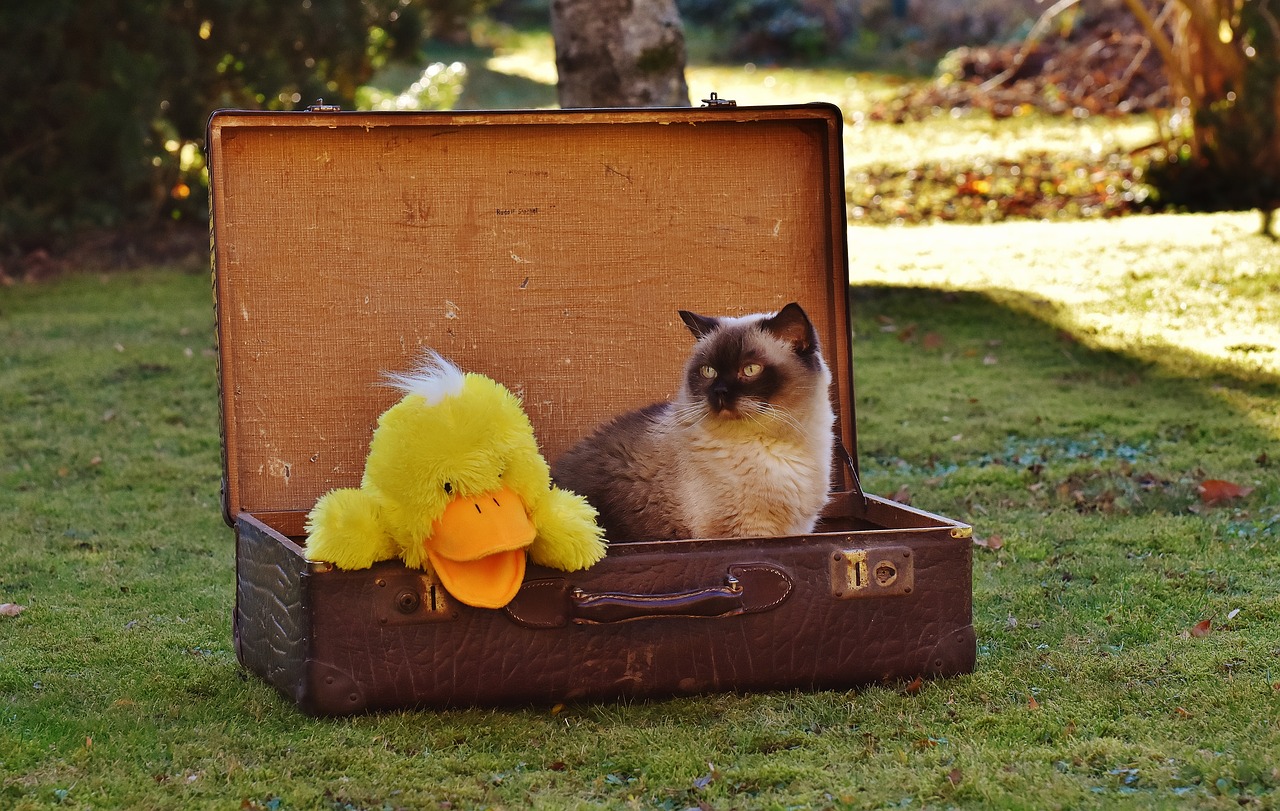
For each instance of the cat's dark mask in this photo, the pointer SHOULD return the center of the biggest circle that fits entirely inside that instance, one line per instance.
(730, 366)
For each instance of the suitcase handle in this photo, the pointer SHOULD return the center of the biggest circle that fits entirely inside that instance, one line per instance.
(611, 606)
(747, 589)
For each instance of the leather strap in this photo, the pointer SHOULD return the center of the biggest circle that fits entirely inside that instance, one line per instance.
(553, 603)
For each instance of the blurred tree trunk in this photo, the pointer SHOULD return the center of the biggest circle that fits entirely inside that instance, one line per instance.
(619, 53)
(1222, 58)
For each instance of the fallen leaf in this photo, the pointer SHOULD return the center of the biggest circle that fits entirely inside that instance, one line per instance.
(990, 360)
(1202, 628)
(557, 766)
(931, 340)
(556, 709)
(955, 776)
(903, 496)
(1032, 703)
(990, 542)
(1216, 491)
(914, 687)
(707, 779)
(907, 333)
(11, 609)
(1182, 712)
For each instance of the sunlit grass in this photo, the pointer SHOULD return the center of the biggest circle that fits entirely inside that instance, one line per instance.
(1180, 291)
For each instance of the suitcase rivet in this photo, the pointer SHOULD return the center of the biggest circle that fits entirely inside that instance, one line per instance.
(380, 582)
(328, 679)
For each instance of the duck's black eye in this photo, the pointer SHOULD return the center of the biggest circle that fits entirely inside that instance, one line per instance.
(448, 488)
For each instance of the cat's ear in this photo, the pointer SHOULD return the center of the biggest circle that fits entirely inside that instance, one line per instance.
(700, 325)
(792, 326)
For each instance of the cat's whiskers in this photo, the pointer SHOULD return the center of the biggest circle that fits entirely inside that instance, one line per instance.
(781, 415)
(689, 414)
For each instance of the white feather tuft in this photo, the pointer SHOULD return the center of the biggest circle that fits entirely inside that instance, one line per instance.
(433, 380)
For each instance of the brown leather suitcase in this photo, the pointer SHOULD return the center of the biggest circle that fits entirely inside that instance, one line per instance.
(549, 250)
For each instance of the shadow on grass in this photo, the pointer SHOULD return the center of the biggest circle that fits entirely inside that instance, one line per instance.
(953, 376)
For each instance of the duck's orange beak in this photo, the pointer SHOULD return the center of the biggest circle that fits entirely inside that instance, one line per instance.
(477, 547)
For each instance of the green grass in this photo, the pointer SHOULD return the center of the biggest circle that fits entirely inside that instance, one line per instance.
(1079, 450)
(1063, 386)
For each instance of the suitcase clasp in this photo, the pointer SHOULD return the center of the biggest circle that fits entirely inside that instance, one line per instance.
(881, 571)
(410, 598)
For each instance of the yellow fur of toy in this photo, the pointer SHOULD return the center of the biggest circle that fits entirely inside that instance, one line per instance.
(563, 519)
(344, 529)
(475, 439)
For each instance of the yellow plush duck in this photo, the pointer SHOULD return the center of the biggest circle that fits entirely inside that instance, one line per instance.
(454, 483)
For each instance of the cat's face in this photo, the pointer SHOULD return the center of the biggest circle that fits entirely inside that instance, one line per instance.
(750, 367)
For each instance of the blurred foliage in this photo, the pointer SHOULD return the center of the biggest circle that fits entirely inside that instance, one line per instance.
(1034, 186)
(438, 86)
(1222, 142)
(763, 29)
(107, 100)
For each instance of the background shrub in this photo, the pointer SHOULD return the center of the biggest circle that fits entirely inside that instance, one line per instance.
(107, 99)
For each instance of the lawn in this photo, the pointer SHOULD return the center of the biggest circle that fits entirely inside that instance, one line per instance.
(1073, 389)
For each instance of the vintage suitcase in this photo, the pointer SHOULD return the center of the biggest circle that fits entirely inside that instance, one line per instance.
(549, 250)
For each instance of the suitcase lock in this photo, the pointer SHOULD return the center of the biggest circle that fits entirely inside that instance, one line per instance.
(410, 598)
(878, 571)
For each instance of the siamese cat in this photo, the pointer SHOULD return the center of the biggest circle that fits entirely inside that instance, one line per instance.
(743, 450)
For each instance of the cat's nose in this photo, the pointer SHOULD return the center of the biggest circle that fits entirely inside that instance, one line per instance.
(720, 398)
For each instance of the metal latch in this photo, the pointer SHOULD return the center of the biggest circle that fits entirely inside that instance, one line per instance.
(321, 107)
(410, 598)
(878, 571)
(716, 101)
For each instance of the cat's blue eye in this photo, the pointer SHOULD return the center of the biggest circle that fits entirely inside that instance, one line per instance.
(708, 372)
(752, 369)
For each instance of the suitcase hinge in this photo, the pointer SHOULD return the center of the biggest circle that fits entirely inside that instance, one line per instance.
(321, 107)
(716, 101)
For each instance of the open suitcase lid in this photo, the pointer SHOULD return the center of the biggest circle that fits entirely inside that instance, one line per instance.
(549, 250)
